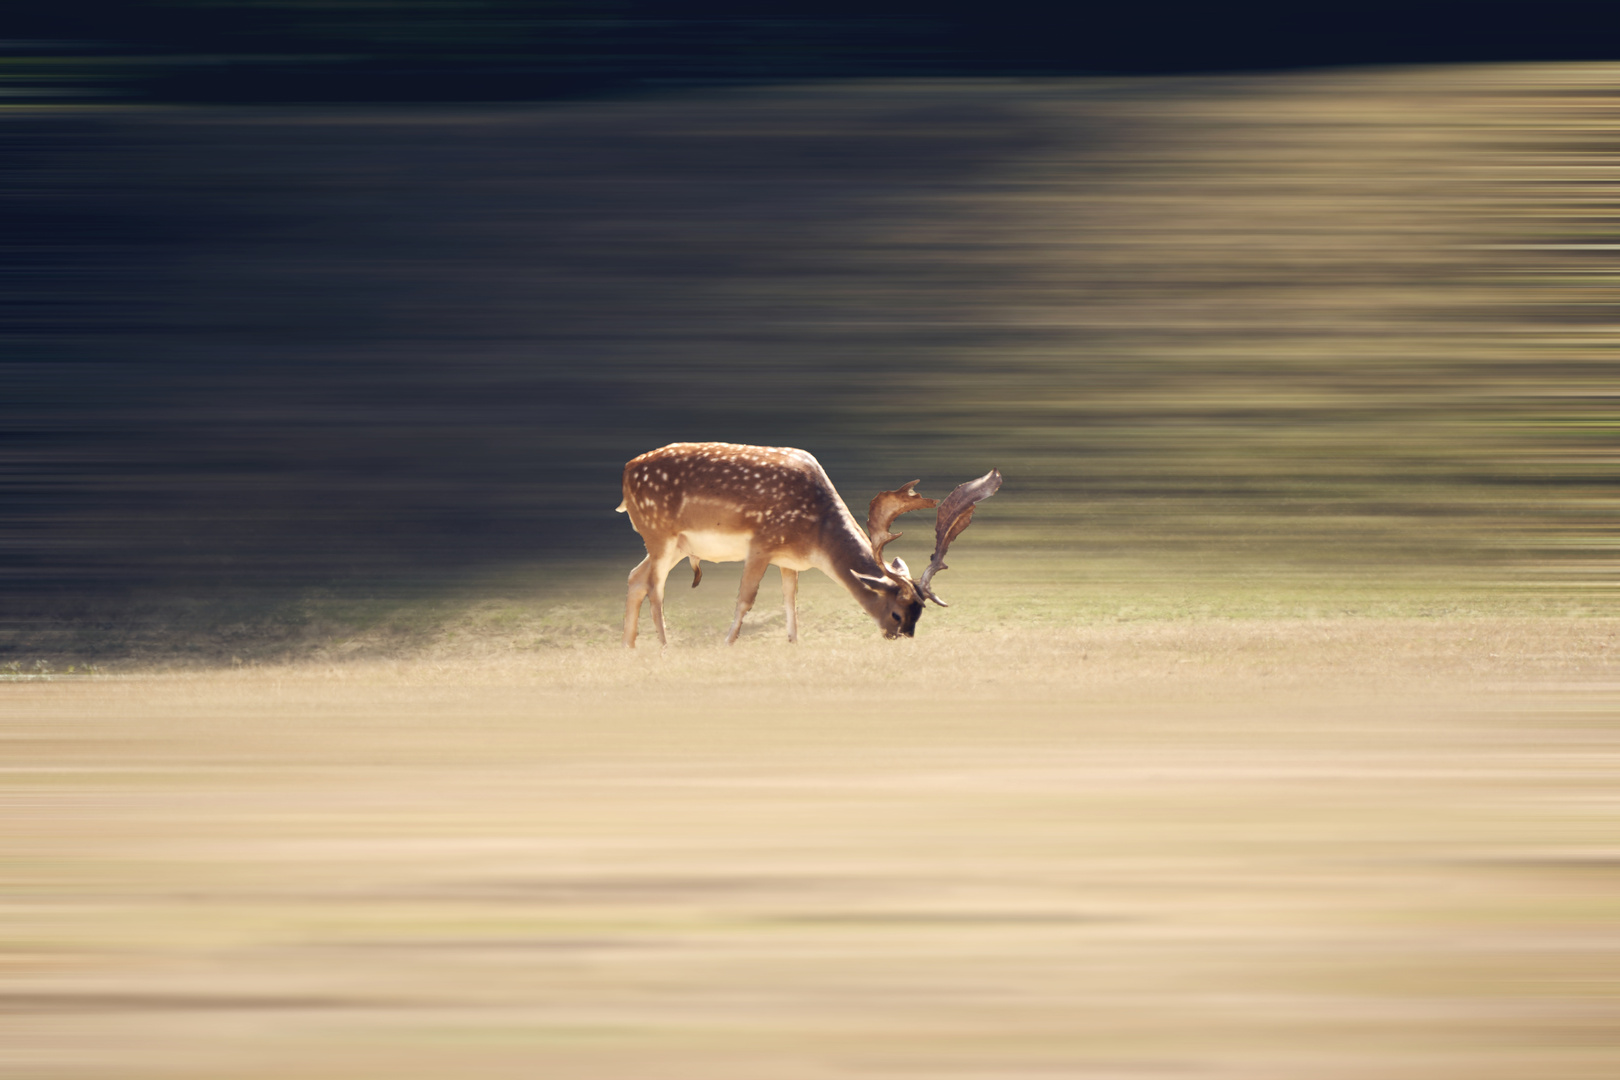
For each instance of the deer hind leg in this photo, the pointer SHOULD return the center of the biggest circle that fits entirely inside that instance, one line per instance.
(697, 571)
(790, 600)
(753, 572)
(640, 583)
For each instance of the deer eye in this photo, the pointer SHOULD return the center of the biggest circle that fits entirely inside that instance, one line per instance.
(895, 615)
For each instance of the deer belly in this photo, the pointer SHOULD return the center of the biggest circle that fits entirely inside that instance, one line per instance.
(715, 546)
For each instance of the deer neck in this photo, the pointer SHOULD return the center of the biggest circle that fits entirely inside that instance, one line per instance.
(847, 549)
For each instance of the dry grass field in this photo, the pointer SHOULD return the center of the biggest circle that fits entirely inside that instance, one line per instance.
(1246, 848)
(1271, 735)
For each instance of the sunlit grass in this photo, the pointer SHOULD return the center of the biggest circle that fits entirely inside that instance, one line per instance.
(996, 586)
(1270, 732)
(1358, 846)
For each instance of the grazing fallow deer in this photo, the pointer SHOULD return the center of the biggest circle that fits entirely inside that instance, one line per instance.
(765, 505)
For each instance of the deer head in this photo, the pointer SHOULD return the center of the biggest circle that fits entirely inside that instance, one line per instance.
(896, 599)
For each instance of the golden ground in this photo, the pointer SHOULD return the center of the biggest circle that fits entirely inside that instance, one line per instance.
(1323, 848)
(1273, 733)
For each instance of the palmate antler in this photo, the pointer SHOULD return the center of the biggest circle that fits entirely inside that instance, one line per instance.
(954, 514)
(889, 505)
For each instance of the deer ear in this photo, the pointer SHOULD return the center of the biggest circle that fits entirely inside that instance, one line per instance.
(876, 584)
(899, 568)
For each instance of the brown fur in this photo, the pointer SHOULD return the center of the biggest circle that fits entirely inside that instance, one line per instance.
(777, 504)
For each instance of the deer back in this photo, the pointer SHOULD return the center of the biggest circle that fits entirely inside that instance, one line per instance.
(778, 497)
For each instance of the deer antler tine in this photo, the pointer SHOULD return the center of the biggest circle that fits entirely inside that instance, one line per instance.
(887, 506)
(954, 515)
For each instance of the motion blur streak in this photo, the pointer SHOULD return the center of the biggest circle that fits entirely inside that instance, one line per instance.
(1252, 851)
(1270, 733)
(1320, 322)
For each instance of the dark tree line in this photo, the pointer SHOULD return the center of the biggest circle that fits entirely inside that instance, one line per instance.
(491, 50)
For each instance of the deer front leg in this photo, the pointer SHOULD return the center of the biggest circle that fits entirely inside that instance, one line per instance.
(753, 572)
(657, 576)
(790, 600)
(639, 578)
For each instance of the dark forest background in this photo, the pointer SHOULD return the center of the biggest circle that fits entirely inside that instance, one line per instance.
(520, 50)
(373, 294)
